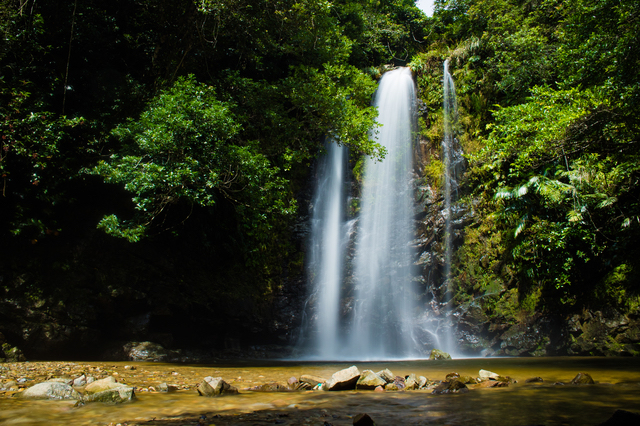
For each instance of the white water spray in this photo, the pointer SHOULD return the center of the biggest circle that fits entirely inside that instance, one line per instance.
(453, 162)
(385, 295)
(382, 322)
(327, 251)
(450, 108)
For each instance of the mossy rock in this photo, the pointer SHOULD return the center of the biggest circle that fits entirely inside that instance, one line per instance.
(437, 354)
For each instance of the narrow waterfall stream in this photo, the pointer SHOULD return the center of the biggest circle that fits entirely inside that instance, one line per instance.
(453, 166)
(328, 248)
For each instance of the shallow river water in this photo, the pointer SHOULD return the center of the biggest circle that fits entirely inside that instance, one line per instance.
(548, 403)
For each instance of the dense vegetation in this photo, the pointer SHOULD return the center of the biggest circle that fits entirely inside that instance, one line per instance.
(184, 131)
(549, 119)
(153, 121)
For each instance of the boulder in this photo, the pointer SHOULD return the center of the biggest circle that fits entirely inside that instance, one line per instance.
(437, 354)
(369, 380)
(386, 375)
(270, 387)
(164, 387)
(534, 380)
(399, 382)
(468, 380)
(102, 384)
(582, 379)
(51, 390)
(422, 382)
(312, 380)
(117, 394)
(80, 381)
(215, 386)
(391, 387)
(411, 382)
(488, 375)
(451, 376)
(109, 391)
(453, 386)
(363, 419)
(343, 380)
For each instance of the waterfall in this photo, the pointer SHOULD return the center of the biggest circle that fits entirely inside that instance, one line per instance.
(384, 293)
(328, 248)
(383, 298)
(450, 107)
(453, 165)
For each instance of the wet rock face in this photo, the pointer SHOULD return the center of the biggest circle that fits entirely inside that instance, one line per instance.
(609, 333)
(9, 353)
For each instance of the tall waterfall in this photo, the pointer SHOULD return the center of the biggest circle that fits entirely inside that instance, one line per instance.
(382, 301)
(450, 107)
(385, 296)
(328, 248)
(453, 167)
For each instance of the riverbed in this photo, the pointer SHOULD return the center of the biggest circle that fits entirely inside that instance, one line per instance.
(551, 402)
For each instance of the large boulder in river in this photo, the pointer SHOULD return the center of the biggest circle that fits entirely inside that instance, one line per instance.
(453, 386)
(102, 384)
(116, 395)
(582, 379)
(51, 390)
(215, 386)
(343, 380)
(488, 375)
(369, 381)
(437, 354)
(109, 391)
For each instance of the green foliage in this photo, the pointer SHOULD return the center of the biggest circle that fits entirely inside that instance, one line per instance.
(549, 111)
(182, 148)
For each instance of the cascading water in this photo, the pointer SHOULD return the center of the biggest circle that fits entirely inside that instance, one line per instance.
(450, 107)
(327, 250)
(384, 294)
(454, 163)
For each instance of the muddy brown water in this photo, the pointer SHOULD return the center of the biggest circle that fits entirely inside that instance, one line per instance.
(548, 403)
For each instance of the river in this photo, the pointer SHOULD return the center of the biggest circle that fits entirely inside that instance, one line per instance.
(549, 403)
